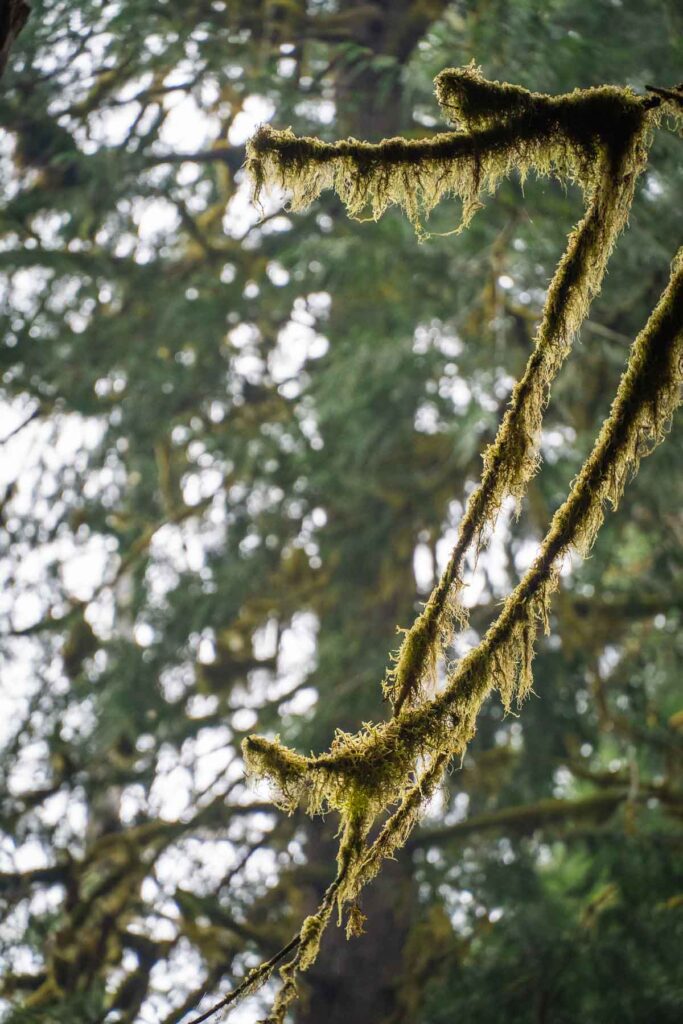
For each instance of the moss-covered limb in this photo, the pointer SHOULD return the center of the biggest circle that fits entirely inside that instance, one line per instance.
(362, 773)
(313, 928)
(372, 769)
(305, 944)
(412, 174)
(583, 116)
(356, 865)
(646, 399)
(647, 396)
(512, 459)
(598, 136)
(399, 825)
(562, 135)
(369, 178)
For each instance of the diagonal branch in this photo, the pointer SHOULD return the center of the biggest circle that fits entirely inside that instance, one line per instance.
(13, 16)
(373, 768)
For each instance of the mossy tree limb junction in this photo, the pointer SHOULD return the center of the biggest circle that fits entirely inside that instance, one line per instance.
(598, 138)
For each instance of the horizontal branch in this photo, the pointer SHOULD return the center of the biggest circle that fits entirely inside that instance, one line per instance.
(232, 156)
(524, 818)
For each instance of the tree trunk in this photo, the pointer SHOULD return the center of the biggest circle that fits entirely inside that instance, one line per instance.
(360, 979)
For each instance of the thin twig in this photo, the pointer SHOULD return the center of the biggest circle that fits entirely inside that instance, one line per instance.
(254, 979)
(34, 415)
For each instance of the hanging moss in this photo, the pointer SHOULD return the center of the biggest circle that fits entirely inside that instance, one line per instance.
(368, 771)
(508, 129)
(599, 138)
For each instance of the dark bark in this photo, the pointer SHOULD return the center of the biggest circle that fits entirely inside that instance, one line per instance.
(370, 95)
(13, 15)
(361, 979)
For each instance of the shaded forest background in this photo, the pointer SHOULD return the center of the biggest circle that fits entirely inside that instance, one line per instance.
(234, 454)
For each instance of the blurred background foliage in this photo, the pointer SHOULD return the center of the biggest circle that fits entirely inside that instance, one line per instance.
(234, 453)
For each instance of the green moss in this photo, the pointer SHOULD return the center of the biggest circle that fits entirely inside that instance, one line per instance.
(585, 118)
(270, 759)
(508, 129)
(401, 762)
(310, 935)
(599, 138)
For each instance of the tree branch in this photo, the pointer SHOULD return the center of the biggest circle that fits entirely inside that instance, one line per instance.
(525, 818)
(253, 980)
(232, 156)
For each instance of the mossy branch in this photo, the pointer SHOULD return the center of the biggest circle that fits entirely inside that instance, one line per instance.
(369, 771)
(508, 129)
(599, 138)
(512, 459)
(371, 760)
